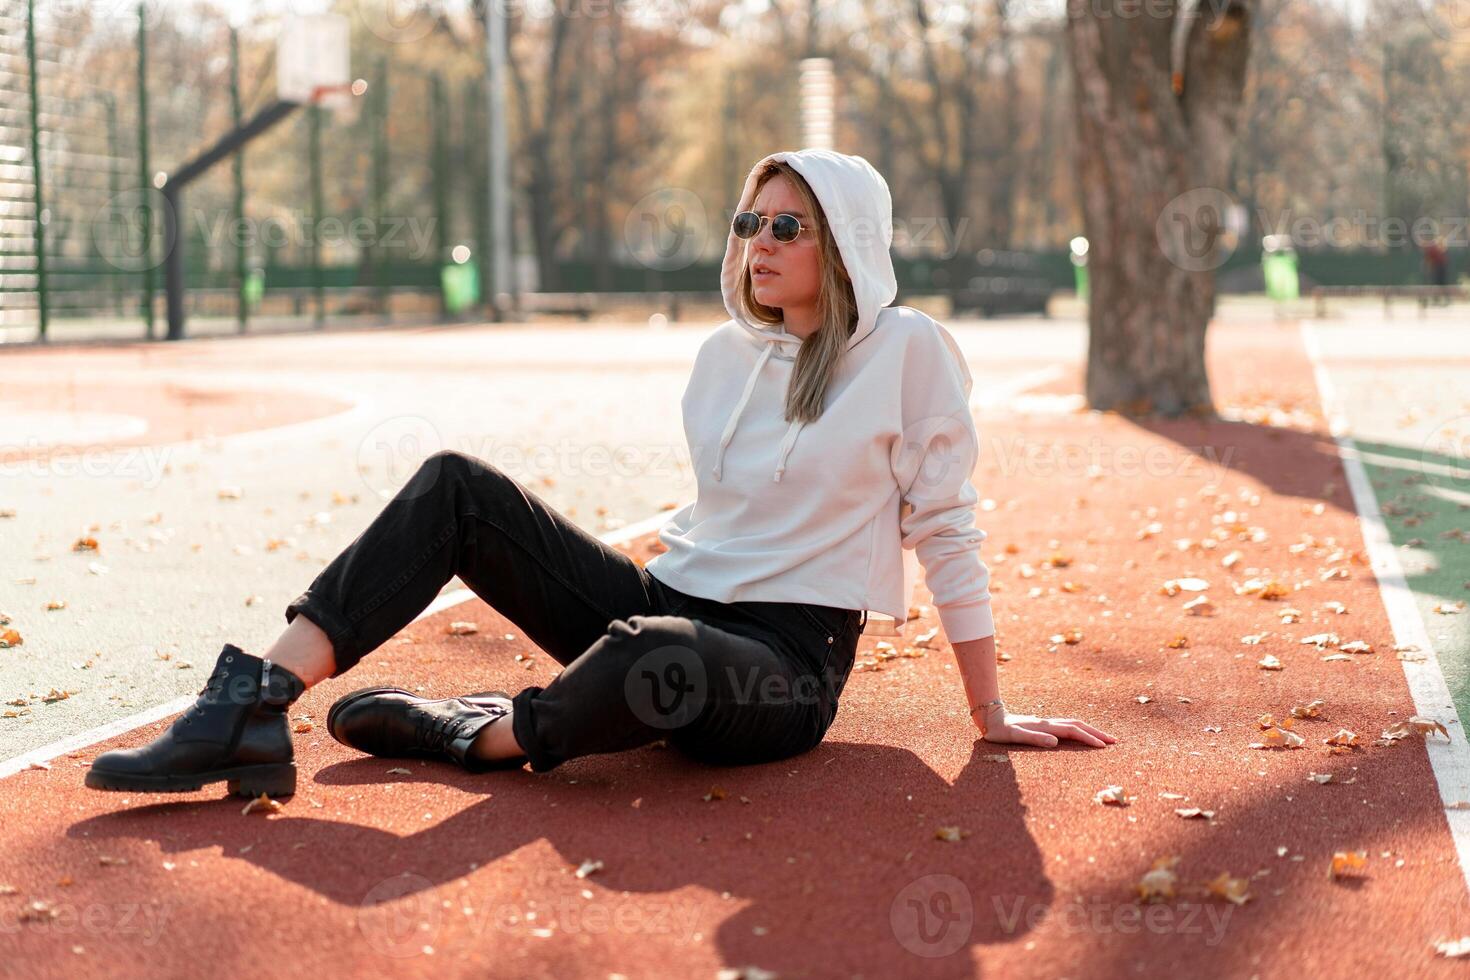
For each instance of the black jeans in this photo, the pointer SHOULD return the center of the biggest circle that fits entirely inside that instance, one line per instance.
(726, 683)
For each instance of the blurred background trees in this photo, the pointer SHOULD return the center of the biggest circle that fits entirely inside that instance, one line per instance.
(967, 106)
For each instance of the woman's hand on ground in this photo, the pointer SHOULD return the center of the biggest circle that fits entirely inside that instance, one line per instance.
(1045, 732)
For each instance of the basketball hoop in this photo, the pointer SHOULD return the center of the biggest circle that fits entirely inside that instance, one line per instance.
(340, 100)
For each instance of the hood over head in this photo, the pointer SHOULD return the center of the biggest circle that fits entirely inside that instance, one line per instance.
(858, 212)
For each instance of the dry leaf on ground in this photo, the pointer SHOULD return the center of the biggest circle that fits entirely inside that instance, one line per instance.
(1158, 882)
(1113, 795)
(1230, 889)
(262, 804)
(1345, 861)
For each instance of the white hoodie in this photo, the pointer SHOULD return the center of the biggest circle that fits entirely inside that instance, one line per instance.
(818, 513)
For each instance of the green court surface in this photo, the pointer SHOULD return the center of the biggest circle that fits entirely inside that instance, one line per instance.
(1411, 425)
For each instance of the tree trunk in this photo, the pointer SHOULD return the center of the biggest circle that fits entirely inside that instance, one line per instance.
(541, 184)
(1152, 167)
(602, 235)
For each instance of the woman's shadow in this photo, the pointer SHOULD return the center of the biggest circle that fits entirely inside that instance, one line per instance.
(835, 854)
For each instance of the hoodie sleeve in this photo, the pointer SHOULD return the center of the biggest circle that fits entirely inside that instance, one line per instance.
(933, 462)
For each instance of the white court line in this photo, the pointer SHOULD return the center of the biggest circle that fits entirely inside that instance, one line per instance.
(101, 733)
(1001, 394)
(1450, 760)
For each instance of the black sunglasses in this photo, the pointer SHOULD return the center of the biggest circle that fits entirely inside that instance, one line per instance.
(784, 227)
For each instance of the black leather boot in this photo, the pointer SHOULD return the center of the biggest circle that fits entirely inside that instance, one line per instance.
(237, 731)
(395, 724)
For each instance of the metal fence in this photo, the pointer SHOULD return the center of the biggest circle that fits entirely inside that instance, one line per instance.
(322, 217)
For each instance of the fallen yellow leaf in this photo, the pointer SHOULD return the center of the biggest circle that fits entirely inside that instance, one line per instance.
(1200, 606)
(1278, 738)
(262, 804)
(1230, 889)
(1416, 723)
(1158, 882)
(1344, 861)
(1312, 710)
(1113, 795)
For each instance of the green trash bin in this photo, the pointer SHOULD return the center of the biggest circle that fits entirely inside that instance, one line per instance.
(253, 289)
(461, 284)
(1279, 264)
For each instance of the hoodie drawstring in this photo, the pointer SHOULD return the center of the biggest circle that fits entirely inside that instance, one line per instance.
(729, 432)
(787, 442)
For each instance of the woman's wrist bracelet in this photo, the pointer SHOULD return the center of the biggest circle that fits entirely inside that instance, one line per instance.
(996, 701)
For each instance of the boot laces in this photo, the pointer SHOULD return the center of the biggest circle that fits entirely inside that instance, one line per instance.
(211, 687)
(441, 729)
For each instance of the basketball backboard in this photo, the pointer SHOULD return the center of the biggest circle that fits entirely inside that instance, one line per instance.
(313, 63)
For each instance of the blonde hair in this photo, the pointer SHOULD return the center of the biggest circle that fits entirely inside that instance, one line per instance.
(837, 311)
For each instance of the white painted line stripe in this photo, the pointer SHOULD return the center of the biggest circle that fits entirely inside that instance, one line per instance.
(1450, 760)
(121, 726)
(94, 735)
(996, 396)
